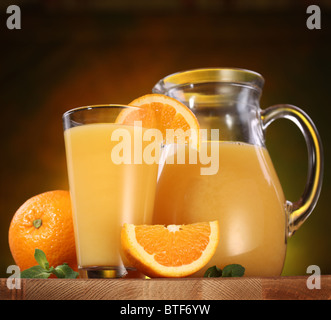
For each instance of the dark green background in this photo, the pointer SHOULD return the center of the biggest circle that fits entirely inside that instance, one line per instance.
(76, 53)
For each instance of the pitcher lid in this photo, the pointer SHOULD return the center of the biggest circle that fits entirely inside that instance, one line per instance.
(204, 75)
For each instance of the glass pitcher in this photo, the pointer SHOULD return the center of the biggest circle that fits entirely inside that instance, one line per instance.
(245, 194)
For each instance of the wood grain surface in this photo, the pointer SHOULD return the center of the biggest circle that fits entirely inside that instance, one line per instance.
(280, 288)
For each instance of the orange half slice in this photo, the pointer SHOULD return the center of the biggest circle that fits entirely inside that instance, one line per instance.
(172, 251)
(163, 113)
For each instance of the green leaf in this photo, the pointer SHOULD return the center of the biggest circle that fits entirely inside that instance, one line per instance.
(44, 271)
(64, 271)
(40, 257)
(213, 272)
(35, 272)
(233, 270)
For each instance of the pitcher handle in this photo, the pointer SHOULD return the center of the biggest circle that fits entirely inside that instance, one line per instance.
(299, 211)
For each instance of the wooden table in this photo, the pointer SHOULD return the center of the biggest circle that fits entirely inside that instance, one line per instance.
(283, 288)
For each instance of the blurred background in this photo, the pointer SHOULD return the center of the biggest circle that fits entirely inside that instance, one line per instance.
(73, 53)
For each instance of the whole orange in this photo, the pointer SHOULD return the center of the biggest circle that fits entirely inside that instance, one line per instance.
(44, 222)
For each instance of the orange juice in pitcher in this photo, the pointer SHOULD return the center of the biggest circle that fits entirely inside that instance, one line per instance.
(245, 182)
(244, 193)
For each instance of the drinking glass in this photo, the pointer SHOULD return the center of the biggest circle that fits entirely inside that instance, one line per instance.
(112, 181)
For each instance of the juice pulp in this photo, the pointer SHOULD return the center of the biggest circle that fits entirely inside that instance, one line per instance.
(245, 196)
(104, 194)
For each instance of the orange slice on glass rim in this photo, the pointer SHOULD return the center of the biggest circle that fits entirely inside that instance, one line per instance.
(163, 113)
(172, 251)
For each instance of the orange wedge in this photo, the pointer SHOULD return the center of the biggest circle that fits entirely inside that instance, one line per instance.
(172, 251)
(162, 112)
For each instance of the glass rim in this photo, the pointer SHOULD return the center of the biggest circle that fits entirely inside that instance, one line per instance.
(97, 106)
(196, 76)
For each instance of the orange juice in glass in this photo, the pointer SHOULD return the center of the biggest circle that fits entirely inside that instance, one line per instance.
(244, 193)
(108, 187)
